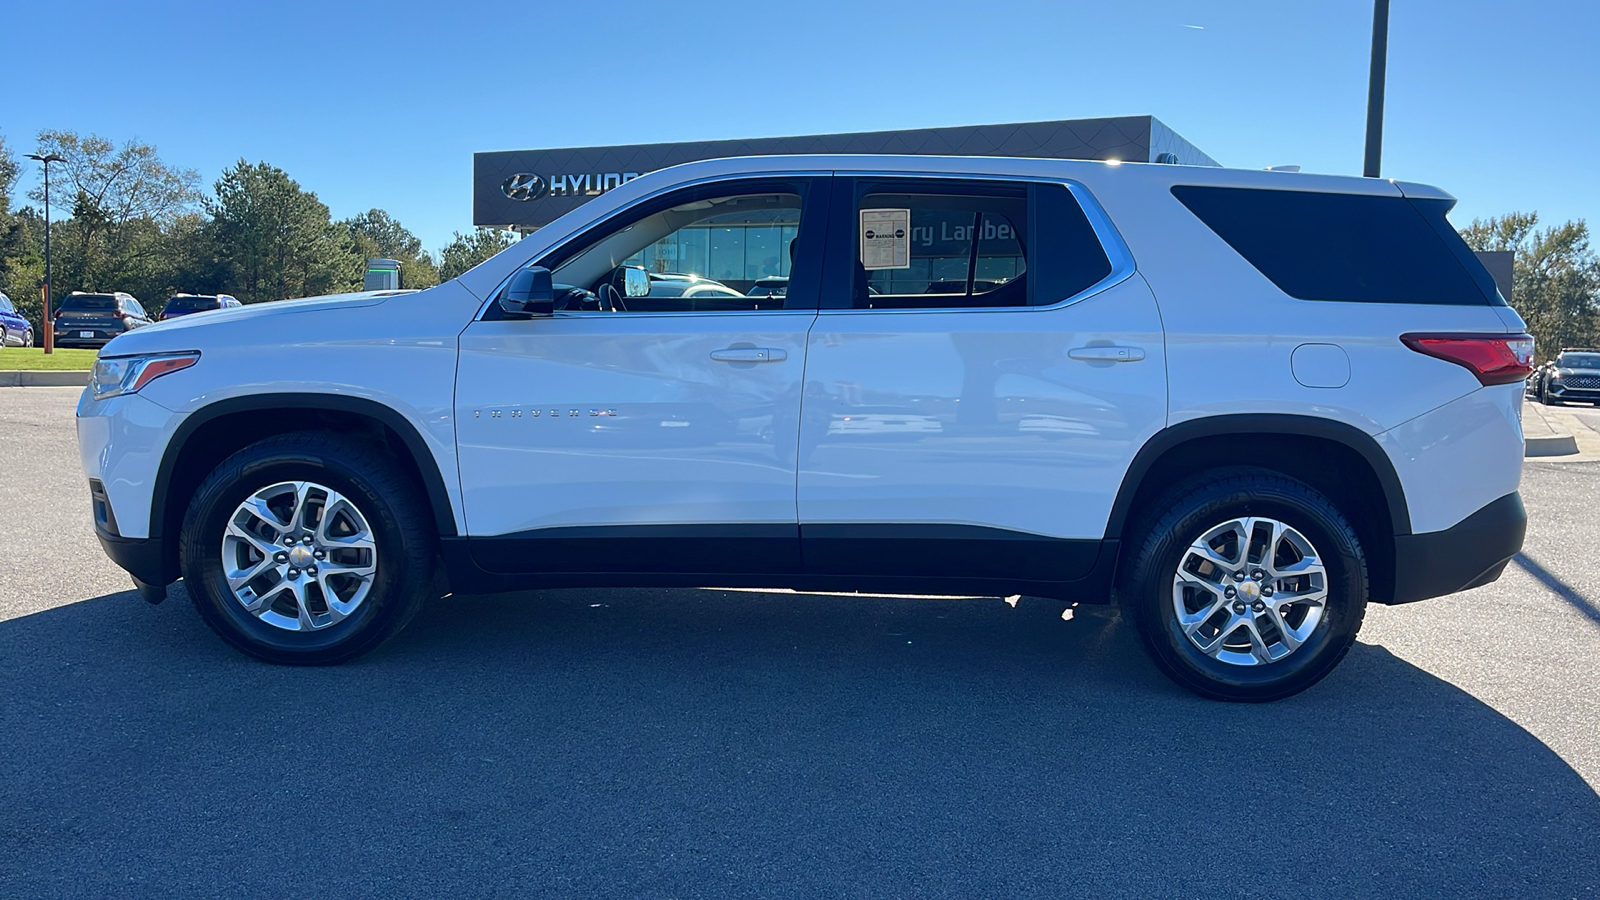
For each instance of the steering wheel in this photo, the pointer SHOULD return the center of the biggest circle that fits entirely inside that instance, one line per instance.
(610, 298)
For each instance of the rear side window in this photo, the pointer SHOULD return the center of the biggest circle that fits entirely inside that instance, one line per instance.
(954, 244)
(1346, 247)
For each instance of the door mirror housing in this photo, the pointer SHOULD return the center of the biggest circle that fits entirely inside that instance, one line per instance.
(635, 281)
(530, 292)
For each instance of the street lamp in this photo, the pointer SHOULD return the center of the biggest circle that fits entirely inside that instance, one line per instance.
(49, 325)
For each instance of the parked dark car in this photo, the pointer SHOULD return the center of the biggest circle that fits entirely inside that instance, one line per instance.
(184, 304)
(1573, 375)
(90, 320)
(15, 331)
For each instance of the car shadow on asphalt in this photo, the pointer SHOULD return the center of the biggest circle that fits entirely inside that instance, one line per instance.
(694, 743)
(1558, 587)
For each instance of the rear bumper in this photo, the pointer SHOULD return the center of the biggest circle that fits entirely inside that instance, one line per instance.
(1470, 554)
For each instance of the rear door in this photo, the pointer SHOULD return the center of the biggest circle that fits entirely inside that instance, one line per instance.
(985, 365)
(658, 438)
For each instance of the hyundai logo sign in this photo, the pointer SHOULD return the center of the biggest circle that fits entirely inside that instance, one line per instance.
(524, 186)
(527, 186)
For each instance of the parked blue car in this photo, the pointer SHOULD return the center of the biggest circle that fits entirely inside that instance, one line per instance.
(15, 331)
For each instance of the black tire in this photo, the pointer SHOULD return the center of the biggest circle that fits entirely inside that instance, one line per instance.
(1180, 518)
(401, 526)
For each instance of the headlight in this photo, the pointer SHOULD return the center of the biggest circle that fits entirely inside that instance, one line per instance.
(127, 374)
(1556, 376)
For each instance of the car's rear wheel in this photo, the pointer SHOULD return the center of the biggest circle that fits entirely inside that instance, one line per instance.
(1246, 585)
(307, 548)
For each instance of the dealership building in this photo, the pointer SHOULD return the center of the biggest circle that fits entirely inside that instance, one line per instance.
(523, 190)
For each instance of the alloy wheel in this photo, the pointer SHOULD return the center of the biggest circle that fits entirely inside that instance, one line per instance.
(299, 556)
(1250, 591)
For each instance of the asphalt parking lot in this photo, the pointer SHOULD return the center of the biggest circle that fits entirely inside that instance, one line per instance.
(719, 743)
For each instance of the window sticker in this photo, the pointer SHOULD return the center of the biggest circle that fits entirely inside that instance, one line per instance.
(886, 239)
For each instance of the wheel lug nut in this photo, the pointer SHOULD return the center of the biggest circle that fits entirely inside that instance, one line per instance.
(311, 570)
(1283, 610)
(1266, 592)
(280, 556)
(1238, 576)
(320, 555)
(294, 573)
(1258, 575)
(1239, 607)
(307, 541)
(1258, 606)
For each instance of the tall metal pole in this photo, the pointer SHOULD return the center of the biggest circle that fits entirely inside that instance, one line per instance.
(1380, 64)
(49, 323)
(49, 326)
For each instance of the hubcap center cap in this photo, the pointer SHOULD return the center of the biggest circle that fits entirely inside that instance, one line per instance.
(1249, 590)
(300, 557)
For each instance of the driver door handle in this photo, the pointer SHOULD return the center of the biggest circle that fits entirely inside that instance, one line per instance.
(750, 354)
(1107, 354)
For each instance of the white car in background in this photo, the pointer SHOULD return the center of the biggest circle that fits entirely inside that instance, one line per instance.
(1241, 404)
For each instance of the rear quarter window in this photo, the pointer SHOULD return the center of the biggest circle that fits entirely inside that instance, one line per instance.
(1346, 247)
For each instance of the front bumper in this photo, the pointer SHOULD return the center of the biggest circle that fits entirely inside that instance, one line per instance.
(1558, 391)
(143, 558)
(1470, 554)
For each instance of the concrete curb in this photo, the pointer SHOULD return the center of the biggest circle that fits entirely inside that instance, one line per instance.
(1552, 445)
(44, 379)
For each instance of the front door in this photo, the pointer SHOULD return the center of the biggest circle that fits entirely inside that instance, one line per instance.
(650, 434)
(983, 369)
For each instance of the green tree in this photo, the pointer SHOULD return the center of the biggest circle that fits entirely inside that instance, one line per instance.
(275, 240)
(122, 201)
(376, 234)
(465, 251)
(1556, 277)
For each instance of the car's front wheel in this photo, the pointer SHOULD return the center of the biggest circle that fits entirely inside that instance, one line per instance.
(1246, 585)
(307, 548)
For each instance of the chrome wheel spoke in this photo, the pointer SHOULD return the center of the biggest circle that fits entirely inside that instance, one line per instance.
(257, 507)
(1258, 645)
(260, 545)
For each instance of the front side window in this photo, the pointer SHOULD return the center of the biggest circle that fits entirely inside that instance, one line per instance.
(703, 250)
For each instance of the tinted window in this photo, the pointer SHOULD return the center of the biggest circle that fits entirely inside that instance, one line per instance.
(5, 304)
(192, 304)
(975, 244)
(1345, 247)
(1579, 360)
(934, 250)
(90, 302)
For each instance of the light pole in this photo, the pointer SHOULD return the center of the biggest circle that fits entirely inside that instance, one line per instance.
(49, 325)
(1380, 63)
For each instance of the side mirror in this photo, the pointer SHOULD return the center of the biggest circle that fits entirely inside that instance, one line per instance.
(529, 293)
(635, 281)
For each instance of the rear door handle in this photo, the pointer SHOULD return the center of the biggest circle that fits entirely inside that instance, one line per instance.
(1107, 354)
(750, 354)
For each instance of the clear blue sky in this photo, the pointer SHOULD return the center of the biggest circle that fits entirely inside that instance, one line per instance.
(383, 104)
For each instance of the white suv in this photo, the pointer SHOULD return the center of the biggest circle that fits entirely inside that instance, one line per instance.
(1241, 403)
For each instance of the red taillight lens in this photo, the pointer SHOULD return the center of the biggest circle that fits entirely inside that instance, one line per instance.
(1494, 358)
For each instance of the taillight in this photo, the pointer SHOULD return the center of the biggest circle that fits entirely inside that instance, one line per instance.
(1494, 358)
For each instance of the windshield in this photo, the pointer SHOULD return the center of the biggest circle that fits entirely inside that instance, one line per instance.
(1579, 360)
(89, 302)
(191, 304)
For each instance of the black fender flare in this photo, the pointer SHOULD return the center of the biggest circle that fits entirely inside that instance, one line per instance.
(1261, 423)
(427, 464)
